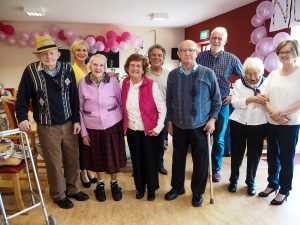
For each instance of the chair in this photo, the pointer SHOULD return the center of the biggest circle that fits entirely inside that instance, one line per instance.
(14, 173)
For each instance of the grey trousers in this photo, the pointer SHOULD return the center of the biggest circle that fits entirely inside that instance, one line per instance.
(60, 149)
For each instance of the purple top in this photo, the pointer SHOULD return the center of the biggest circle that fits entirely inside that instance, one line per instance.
(100, 105)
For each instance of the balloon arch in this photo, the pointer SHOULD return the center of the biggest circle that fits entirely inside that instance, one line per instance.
(265, 46)
(113, 42)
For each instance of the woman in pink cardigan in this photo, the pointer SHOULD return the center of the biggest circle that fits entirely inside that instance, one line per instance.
(102, 126)
(144, 112)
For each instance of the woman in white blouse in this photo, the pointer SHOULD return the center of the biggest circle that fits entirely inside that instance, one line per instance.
(248, 123)
(283, 108)
(144, 112)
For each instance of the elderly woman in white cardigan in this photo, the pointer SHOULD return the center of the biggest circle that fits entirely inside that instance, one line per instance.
(248, 123)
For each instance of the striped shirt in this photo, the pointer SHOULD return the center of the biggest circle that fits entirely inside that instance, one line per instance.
(224, 65)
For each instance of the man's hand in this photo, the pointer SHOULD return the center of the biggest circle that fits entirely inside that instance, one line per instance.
(210, 126)
(227, 100)
(25, 125)
(86, 140)
(77, 128)
(170, 128)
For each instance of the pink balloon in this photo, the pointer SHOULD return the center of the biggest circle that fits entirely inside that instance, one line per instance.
(100, 38)
(2, 36)
(279, 37)
(111, 35)
(256, 21)
(106, 49)
(123, 45)
(34, 35)
(90, 40)
(255, 54)
(31, 43)
(125, 36)
(265, 10)
(272, 62)
(68, 33)
(92, 50)
(24, 36)
(118, 39)
(258, 34)
(99, 46)
(265, 46)
(115, 50)
(11, 40)
(111, 43)
(22, 43)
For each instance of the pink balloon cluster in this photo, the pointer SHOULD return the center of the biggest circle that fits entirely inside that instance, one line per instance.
(113, 42)
(265, 46)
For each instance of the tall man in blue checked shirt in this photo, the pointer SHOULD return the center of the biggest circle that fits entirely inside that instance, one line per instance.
(224, 64)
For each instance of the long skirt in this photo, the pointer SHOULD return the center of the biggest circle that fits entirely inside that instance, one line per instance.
(107, 150)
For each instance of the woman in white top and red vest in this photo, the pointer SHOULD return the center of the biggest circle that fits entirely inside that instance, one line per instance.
(144, 112)
(248, 123)
(283, 109)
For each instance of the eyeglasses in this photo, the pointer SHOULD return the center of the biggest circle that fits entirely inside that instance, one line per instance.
(285, 53)
(189, 50)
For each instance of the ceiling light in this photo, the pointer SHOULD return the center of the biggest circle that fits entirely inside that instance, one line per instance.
(159, 16)
(34, 11)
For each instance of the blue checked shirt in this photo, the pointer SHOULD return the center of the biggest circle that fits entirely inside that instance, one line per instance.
(224, 65)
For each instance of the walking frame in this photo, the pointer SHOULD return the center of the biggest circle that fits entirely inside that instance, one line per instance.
(37, 198)
(209, 147)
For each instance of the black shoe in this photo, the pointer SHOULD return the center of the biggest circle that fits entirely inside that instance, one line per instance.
(163, 171)
(116, 191)
(251, 190)
(92, 180)
(151, 195)
(197, 200)
(64, 203)
(275, 202)
(80, 196)
(226, 155)
(264, 194)
(139, 194)
(100, 192)
(216, 176)
(232, 187)
(85, 184)
(173, 194)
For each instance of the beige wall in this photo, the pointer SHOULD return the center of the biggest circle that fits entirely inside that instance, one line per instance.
(13, 60)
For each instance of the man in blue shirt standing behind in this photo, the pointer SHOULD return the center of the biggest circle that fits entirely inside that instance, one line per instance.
(224, 64)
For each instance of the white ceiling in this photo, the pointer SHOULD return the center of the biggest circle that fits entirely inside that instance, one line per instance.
(182, 13)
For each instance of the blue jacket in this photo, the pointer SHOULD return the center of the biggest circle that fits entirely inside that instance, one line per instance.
(192, 99)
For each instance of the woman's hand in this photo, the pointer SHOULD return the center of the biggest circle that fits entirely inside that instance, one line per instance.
(170, 128)
(86, 141)
(152, 133)
(259, 99)
(275, 115)
(283, 120)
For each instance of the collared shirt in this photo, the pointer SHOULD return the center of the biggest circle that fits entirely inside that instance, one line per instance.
(251, 114)
(53, 73)
(224, 65)
(181, 70)
(161, 79)
(133, 111)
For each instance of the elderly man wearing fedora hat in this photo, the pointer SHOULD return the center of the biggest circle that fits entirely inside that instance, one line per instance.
(50, 86)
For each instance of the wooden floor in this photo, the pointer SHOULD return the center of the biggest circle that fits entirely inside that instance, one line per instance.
(229, 208)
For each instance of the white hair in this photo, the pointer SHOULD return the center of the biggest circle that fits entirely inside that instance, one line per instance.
(254, 62)
(221, 30)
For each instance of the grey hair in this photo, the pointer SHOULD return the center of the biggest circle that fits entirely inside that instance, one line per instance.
(158, 46)
(222, 30)
(254, 62)
(100, 56)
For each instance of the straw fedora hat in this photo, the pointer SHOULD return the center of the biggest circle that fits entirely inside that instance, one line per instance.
(44, 43)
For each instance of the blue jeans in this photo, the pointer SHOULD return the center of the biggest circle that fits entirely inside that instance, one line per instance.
(282, 141)
(218, 136)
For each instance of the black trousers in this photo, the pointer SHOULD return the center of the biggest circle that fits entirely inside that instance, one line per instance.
(161, 149)
(143, 150)
(253, 137)
(182, 138)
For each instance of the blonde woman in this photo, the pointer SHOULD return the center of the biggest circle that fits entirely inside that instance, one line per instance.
(79, 51)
